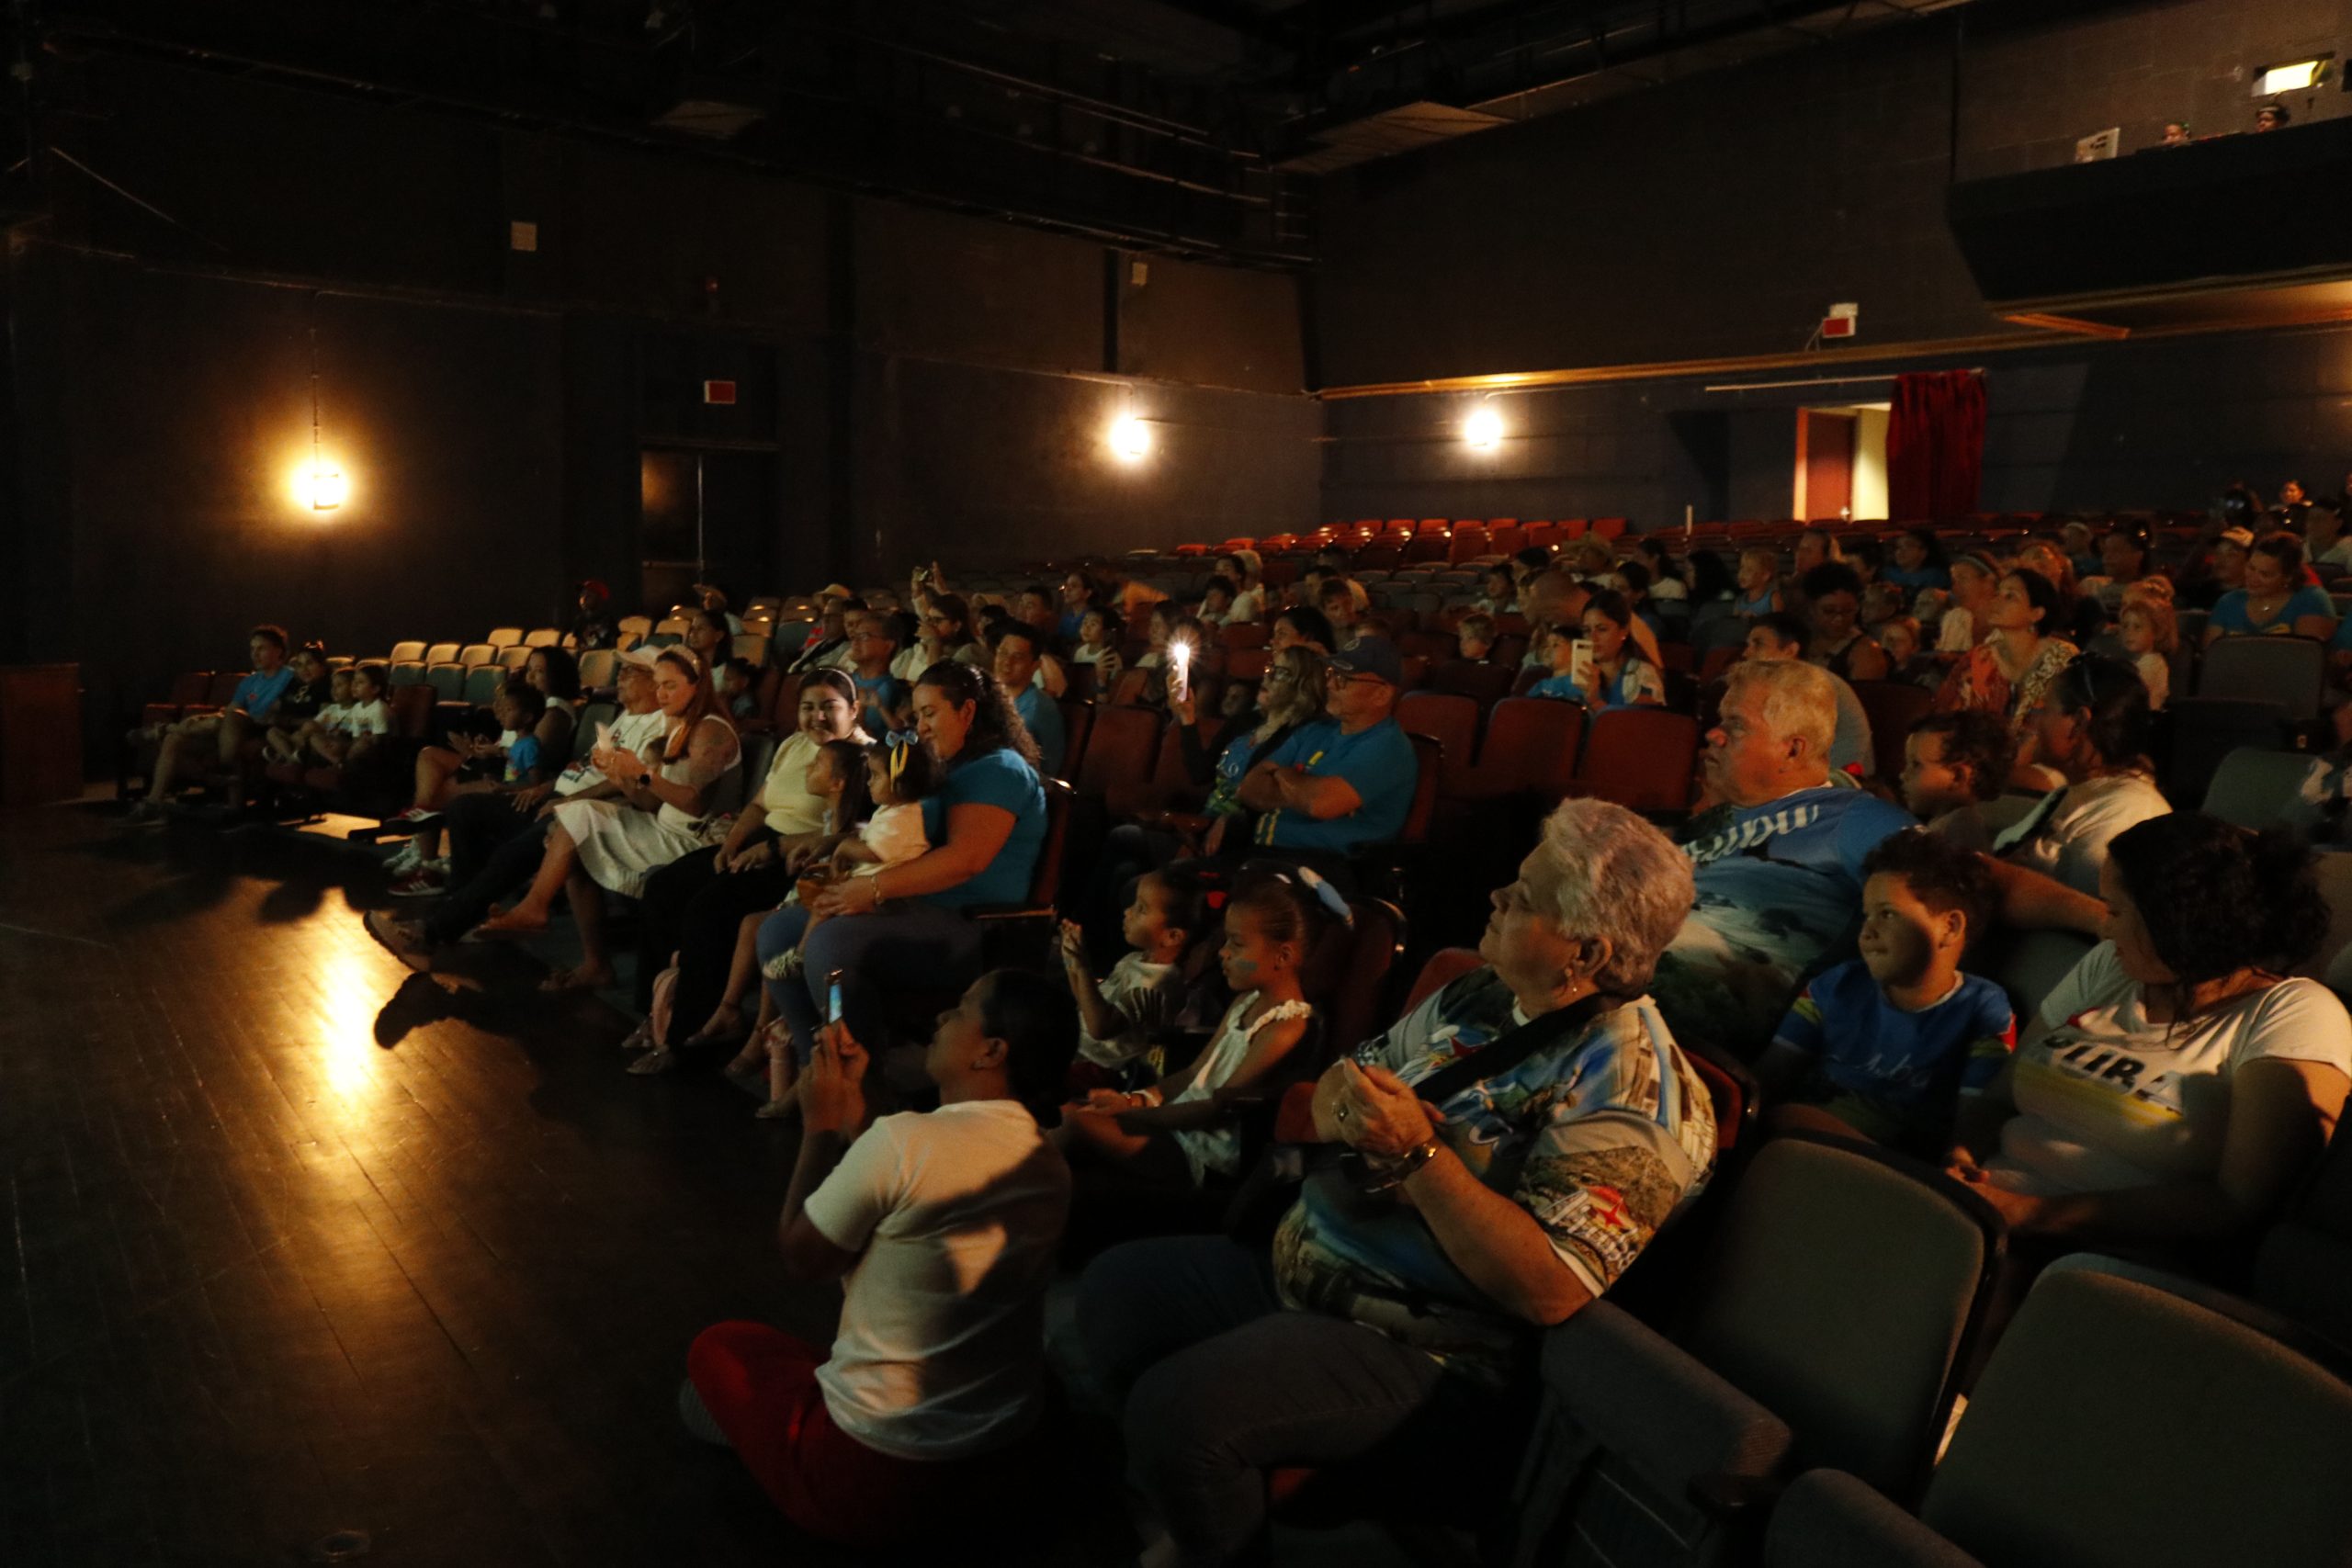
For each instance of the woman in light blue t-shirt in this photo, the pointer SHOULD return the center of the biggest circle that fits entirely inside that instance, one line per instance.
(906, 927)
(2276, 600)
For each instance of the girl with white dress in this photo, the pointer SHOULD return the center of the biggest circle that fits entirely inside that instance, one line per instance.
(668, 806)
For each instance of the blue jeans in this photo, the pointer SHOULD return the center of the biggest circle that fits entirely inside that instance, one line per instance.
(906, 947)
(1223, 1384)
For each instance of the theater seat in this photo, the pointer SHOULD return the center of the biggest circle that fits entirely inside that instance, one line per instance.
(1641, 758)
(1844, 1291)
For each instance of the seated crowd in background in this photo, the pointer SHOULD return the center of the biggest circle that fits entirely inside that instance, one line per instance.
(1524, 1132)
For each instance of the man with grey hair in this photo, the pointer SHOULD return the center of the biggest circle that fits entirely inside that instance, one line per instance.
(1778, 860)
(1568, 1129)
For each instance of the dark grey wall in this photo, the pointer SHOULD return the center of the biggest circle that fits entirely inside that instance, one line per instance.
(1721, 213)
(915, 383)
(2160, 422)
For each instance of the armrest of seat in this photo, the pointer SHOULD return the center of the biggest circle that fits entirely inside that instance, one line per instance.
(1657, 1407)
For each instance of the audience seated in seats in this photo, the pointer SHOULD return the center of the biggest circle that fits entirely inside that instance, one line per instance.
(839, 776)
(1337, 600)
(1473, 636)
(928, 1417)
(2326, 543)
(738, 681)
(1079, 595)
(2091, 734)
(1620, 677)
(2221, 574)
(2273, 600)
(2121, 563)
(1815, 547)
(1517, 1141)
(714, 599)
(204, 741)
(1290, 696)
(899, 776)
(1145, 988)
(1759, 583)
(1974, 579)
(1778, 637)
(1498, 591)
(304, 700)
(1833, 597)
(509, 762)
(1906, 662)
(301, 744)
(1097, 644)
(2174, 1087)
(1216, 601)
(1246, 571)
(664, 812)
(1952, 765)
(593, 624)
(1918, 561)
(707, 636)
(474, 762)
(827, 644)
(1017, 652)
(692, 907)
(1888, 1046)
(872, 649)
(1343, 783)
(1181, 1132)
(2007, 672)
(2151, 635)
(944, 631)
(359, 727)
(986, 824)
(1778, 855)
(1301, 627)
(497, 842)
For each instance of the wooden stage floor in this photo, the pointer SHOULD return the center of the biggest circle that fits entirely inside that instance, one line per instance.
(299, 1243)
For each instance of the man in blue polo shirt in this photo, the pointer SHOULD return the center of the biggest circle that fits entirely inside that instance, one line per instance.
(1346, 781)
(198, 742)
(1017, 648)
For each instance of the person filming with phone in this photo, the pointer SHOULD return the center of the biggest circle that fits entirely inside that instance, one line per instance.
(929, 1413)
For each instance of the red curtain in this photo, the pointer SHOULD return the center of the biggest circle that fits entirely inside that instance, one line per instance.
(1935, 445)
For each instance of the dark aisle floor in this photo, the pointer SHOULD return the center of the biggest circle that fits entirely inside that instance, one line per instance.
(299, 1243)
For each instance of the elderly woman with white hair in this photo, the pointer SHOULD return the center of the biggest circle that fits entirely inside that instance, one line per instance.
(1514, 1142)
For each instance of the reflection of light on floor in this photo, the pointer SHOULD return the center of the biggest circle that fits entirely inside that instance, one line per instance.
(351, 987)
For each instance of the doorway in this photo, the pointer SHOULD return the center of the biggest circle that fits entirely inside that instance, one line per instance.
(1841, 462)
(703, 515)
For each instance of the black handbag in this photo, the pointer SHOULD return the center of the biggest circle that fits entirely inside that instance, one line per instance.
(1346, 1180)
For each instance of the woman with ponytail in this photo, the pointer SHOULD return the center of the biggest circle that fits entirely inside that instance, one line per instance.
(2175, 1087)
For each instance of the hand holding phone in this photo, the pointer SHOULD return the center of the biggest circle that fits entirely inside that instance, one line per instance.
(1580, 664)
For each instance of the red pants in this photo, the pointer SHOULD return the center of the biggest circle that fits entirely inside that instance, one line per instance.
(760, 1385)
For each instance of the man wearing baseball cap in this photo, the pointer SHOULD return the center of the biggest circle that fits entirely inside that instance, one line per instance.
(1346, 781)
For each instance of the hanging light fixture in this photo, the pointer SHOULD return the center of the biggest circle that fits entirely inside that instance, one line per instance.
(319, 484)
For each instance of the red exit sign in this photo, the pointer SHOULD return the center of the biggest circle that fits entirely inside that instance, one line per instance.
(719, 391)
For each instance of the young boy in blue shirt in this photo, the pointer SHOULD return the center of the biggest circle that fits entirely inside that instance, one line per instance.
(1884, 1047)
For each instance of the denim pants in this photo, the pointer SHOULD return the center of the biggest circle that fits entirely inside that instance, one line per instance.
(910, 947)
(1223, 1384)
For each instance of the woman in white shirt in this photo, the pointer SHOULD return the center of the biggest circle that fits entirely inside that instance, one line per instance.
(2176, 1085)
(1248, 576)
(2091, 733)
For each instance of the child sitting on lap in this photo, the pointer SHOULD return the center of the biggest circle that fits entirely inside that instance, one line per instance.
(1885, 1046)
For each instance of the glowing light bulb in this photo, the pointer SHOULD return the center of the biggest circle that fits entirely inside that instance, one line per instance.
(1483, 429)
(1130, 437)
(319, 486)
